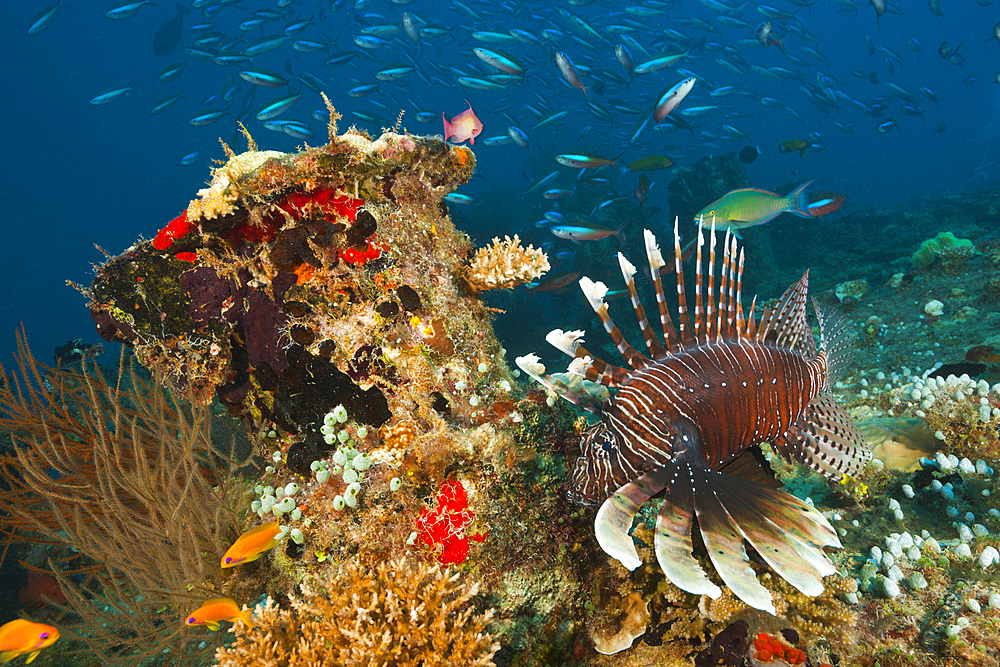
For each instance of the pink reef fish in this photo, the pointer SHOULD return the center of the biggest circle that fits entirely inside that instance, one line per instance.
(463, 126)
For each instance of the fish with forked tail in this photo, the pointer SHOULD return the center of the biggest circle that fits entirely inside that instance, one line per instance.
(688, 418)
(747, 207)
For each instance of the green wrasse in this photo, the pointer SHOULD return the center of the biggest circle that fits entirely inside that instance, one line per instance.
(747, 207)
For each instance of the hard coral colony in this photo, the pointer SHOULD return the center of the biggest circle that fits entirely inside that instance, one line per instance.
(326, 299)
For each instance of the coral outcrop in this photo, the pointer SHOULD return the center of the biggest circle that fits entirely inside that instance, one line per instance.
(504, 265)
(400, 613)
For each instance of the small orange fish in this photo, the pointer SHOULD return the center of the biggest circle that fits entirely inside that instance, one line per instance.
(20, 637)
(464, 126)
(252, 544)
(220, 609)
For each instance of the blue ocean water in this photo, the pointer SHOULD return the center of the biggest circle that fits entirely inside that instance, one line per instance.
(76, 174)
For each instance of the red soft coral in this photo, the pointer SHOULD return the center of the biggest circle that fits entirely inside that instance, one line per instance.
(175, 229)
(445, 524)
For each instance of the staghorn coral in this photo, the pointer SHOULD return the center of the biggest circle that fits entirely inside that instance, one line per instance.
(504, 265)
(401, 613)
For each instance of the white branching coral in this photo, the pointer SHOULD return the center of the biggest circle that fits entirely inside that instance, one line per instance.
(505, 264)
(219, 198)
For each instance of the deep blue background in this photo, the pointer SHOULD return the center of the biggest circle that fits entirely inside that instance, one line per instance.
(74, 174)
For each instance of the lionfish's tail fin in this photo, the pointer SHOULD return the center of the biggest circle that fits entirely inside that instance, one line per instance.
(836, 341)
(594, 292)
(826, 439)
(531, 365)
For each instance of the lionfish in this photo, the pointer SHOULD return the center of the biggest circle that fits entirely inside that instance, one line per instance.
(687, 421)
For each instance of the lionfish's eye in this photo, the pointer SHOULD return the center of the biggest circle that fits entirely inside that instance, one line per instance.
(607, 446)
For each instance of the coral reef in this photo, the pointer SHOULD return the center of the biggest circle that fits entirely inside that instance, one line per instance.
(504, 265)
(944, 250)
(398, 613)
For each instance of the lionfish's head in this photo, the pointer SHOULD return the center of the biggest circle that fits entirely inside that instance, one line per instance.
(598, 472)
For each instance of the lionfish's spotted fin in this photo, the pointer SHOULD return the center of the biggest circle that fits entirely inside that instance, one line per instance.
(826, 439)
(672, 540)
(836, 341)
(723, 540)
(786, 324)
(531, 365)
(779, 548)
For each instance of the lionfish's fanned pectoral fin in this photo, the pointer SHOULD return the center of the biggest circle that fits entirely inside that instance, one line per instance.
(614, 518)
(787, 533)
(673, 527)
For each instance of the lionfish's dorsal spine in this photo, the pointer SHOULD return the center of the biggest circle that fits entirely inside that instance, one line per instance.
(595, 297)
(683, 320)
(532, 365)
(652, 344)
(656, 264)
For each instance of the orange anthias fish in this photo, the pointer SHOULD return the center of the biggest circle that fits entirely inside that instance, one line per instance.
(20, 637)
(464, 126)
(252, 544)
(220, 609)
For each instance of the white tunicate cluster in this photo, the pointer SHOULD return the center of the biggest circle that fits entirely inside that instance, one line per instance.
(890, 588)
(963, 550)
(964, 533)
(973, 605)
(917, 581)
(395, 483)
(994, 601)
(908, 491)
(989, 556)
(297, 536)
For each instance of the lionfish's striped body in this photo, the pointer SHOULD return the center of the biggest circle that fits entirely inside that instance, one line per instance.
(686, 420)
